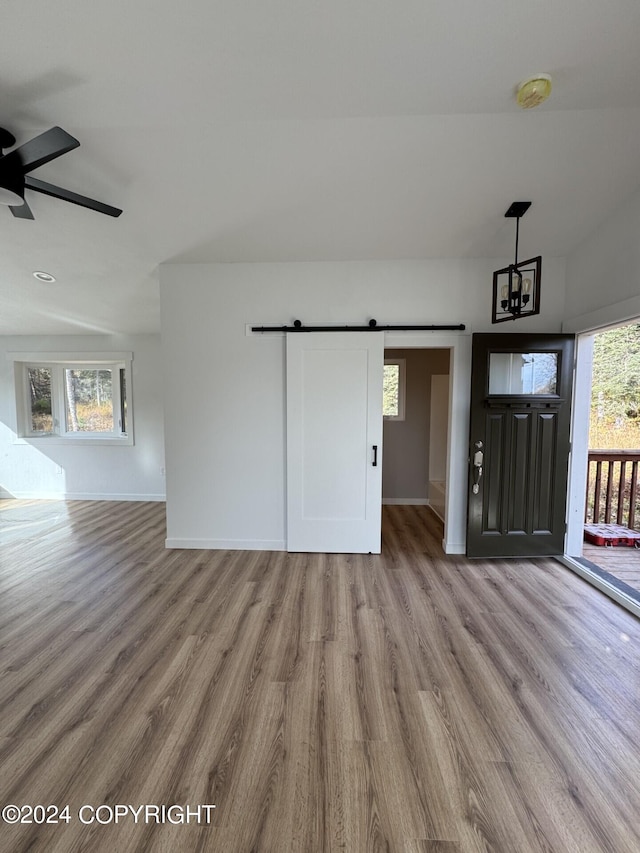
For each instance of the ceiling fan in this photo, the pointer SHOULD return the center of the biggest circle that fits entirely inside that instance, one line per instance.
(17, 164)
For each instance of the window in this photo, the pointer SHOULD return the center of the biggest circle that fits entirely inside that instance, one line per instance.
(83, 398)
(393, 392)
(41, 420)
(89, 400)
(523, 372)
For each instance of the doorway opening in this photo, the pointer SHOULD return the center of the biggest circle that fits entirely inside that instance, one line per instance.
(604, 527)
(612, 515)
(416, 427)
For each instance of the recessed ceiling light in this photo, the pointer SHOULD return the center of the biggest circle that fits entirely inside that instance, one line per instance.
(44, 276)
(533, 91)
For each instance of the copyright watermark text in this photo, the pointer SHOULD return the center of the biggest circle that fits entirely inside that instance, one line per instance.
(105, 815)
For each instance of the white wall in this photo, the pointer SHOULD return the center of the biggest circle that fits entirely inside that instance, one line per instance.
(225, 392)
(439, 426)
(36, 468)
(603, 273)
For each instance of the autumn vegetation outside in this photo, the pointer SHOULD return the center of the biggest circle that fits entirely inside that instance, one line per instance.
(614, 425)
(615, 392)
(88, 400)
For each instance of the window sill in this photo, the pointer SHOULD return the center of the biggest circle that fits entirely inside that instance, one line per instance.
(76, 440)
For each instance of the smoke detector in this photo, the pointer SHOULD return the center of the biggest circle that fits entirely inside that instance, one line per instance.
(533, 91)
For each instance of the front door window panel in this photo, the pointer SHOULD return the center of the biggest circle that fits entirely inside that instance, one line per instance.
(529, 373)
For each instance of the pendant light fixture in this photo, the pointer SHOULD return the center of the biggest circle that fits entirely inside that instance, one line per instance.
(516, 288)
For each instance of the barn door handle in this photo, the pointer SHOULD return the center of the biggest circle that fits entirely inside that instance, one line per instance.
(375, 456)
(478, 459)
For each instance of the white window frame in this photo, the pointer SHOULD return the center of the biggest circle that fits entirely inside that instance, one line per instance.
(402, 386)
(57, 363)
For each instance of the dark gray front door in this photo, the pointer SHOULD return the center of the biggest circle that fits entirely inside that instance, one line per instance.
(519, 444)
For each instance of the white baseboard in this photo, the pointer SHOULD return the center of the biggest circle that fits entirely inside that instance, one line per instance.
(405, 501)
(454, 547)
(227, 544)
(83, 496)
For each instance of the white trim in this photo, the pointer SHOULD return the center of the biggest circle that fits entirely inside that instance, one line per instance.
(607, 588)
(227, 544)
(424, 340)
(83, 496)
(454, 547)
(405, 501)
(578, 467)
(615, 314)
(62, 357)
(42, 441)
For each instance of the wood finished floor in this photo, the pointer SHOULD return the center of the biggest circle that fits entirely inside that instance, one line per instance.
(403, 702)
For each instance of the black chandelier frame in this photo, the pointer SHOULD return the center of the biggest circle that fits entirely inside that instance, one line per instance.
(516, 288)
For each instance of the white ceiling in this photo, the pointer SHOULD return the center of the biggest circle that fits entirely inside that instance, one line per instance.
(287, 130)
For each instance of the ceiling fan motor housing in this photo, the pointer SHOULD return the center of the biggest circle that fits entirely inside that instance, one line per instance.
(11, 179)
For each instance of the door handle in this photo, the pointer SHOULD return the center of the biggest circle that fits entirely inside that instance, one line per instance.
(478, 459)
(375, 456)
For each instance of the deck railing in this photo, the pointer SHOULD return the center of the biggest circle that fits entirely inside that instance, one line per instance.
(613, 488)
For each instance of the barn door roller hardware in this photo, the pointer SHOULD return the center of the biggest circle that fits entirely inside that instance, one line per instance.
(371, 327)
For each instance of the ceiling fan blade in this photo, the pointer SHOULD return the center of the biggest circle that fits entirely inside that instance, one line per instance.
(67, 195)
(41, 149)
(21, 211)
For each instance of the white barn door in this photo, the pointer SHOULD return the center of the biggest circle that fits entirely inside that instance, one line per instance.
(334, 441)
